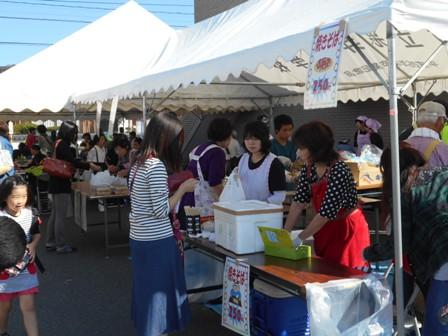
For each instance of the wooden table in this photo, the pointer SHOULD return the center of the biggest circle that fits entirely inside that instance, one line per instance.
(288, 275)
(89, 192)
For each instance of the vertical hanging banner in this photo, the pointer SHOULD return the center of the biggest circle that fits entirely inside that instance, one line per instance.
(235, 297)
(113, 114)
(99, 107)
(323, 70)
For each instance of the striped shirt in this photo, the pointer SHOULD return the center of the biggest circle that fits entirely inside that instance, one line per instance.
(148, 184)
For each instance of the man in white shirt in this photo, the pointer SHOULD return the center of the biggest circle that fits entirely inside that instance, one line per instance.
(98, 153)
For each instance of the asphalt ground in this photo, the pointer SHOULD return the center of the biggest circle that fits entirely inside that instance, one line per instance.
(89, 294)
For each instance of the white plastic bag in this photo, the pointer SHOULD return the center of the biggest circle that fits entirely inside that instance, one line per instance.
(233, 190)
(371, 154)
(350, 307)
(102, 179)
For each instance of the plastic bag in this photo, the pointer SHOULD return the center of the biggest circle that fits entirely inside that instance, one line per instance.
(350, 307)
(105, 178)
(233, 190)
(371, 154)
(348, 156)
(35, 170)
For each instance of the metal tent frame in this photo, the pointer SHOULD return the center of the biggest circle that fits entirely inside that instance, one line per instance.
(396, 92)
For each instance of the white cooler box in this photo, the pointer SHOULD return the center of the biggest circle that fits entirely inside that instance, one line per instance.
(236, 224)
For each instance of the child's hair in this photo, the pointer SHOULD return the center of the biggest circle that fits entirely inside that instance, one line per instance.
(12, 242)
(9, 184)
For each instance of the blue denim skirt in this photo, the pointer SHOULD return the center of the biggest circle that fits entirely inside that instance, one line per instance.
(159, 296)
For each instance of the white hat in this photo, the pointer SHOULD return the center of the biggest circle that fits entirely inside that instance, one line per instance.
(432, 108)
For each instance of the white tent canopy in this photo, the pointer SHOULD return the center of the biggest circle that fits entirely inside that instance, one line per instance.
(104, 53)
(239, 40)
(262, 34)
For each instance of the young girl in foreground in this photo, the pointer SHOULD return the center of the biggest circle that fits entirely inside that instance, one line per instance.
(14, 203)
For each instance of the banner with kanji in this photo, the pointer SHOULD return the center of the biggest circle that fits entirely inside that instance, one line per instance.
(323, 70)
(235, 297)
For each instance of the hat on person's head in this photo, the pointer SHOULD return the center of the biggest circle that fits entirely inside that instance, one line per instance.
(433, 109)
(362, 119)
(373, 124)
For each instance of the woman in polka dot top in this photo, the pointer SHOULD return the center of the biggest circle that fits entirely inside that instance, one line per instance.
(339, 227)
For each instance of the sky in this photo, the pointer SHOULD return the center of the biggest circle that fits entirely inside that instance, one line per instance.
(29, 26)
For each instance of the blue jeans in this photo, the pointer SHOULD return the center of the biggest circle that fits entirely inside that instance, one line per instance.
(436, 317)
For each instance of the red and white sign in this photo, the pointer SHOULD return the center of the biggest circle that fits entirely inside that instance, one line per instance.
(235, 297)
(322, 84)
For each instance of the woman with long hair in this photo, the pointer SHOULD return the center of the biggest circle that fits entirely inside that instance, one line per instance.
(339, 228)
(60, 188)
(159, 297)
(424, 231)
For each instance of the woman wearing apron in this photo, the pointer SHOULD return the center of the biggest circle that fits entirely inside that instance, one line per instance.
(339, 228)
(362, 135)
(208, 164)
(261, 172)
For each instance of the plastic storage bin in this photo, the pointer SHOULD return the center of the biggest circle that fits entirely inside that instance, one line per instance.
(236, 224)
(277, 313)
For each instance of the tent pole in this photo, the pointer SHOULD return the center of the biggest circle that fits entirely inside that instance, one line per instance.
(144, 114)
(423, 67)
(393, 113)
(414, 111)
(271, 116)
(368, 62)
(74, 112)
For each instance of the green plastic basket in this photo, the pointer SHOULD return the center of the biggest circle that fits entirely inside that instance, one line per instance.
(291, 253)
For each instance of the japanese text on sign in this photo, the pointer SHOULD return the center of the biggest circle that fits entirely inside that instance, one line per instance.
(235, 298)
(323, 69)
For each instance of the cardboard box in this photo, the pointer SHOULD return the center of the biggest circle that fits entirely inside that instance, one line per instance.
(365, 175)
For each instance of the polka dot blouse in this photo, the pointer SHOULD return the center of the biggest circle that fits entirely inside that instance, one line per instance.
(341, 192)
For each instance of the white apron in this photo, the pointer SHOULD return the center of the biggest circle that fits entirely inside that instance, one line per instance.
(204, 196)
(255, 182)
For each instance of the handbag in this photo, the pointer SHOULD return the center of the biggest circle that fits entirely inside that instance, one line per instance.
(57, 168)
(176, 179)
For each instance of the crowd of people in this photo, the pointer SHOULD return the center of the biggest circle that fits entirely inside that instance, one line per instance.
(339, 227)
(18, 276)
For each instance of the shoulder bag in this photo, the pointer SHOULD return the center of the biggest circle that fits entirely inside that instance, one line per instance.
(58, 168)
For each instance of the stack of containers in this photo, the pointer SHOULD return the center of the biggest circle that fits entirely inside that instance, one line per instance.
(236, 224)
(277, 313)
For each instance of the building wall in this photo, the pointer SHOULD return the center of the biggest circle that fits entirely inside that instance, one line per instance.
(204, 9)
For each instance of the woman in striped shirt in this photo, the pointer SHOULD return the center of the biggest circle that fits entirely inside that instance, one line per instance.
(159, 298)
